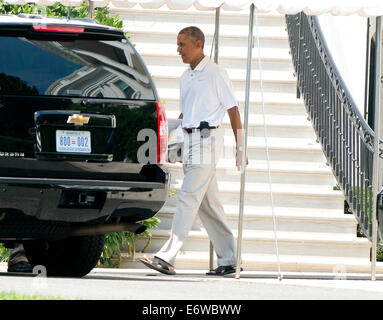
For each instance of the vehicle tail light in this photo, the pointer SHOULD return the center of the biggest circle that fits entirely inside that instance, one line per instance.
(64, 29)
(162, 129)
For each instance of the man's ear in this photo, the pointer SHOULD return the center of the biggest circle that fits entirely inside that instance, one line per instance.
(199, 44)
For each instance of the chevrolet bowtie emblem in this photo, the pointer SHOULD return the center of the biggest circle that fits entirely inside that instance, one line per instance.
(78, 119)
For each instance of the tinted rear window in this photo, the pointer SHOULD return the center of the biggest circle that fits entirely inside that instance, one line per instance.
(80, 68)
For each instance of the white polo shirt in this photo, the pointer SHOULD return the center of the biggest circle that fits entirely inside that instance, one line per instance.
(205, 94)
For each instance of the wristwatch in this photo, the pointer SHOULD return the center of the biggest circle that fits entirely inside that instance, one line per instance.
(240, 148)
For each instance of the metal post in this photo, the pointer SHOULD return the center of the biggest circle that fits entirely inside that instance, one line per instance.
(68, 13)
(90, 9)
(216, 34)
(375, 178)
(367, 69)
(244, 154)
(216, 41)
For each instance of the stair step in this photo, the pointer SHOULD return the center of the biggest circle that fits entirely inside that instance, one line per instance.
(283, 189)
(271, 35)
(286, 89)
(278, 151)
(254, 119)
(170, 23)
(160, 64)
(339, 266)
(257, 171)
(262, 166)
(293, 144)
(276, 126)
(282, 213)
(230, 24)
(258, 152)
(284, 195)
(263, 242)
(269, 83)
(279, 97)
(288, 263)
(286, 220)
(291, 108)
(226, 52)
(236, 75)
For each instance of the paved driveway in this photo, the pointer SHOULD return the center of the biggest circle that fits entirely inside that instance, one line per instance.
(145, 284)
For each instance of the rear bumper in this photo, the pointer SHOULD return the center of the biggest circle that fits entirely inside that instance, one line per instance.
(74, 200)
(100, 185)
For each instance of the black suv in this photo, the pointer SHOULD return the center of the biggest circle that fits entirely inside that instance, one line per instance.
(77, 108)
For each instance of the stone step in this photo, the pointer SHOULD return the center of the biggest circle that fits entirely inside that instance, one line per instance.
(257, 171)
(257, 152)
(299, 122)
(279, 150)
(340, 266)
(230, 46)
(291, 126)
(263, 242)
(173, 21)
(287, 219)
(284, 195)
(229, 49)
(159, 64)
(272, 86)
(276, 36)
(288, 108)
(284, 95)
(236, 73)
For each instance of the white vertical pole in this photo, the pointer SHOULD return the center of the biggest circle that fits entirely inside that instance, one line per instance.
(244, 153)
(267, 151)
(216, 34)
(216, 41)
(90, 9)
(375, 178)
(368, 63)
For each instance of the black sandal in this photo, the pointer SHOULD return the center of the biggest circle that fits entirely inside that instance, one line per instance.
(222, 270)
(158, 265)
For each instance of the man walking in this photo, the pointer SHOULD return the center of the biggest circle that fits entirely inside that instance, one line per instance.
(205, 95)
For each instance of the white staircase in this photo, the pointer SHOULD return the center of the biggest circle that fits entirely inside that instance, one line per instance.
(313, 232)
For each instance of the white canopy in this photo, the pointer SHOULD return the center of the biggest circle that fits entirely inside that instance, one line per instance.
(311, 7)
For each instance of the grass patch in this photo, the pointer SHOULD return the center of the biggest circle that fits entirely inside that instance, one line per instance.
(21, 296)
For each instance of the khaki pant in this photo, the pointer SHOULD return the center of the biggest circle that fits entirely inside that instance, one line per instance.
(199, 194)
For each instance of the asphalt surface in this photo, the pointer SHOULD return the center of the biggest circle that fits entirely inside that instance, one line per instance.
(145, 284)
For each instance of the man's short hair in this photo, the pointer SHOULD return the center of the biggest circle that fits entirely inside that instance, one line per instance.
(194, 34)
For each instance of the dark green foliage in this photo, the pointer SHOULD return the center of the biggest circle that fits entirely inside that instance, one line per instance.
(59, 10)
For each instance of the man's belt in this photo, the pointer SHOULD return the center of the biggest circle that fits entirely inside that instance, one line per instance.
(190, 130)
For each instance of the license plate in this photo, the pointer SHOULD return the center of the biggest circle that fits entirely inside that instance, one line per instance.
(73, 141)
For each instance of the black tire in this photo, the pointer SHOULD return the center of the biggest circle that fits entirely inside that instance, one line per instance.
(70, 257)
